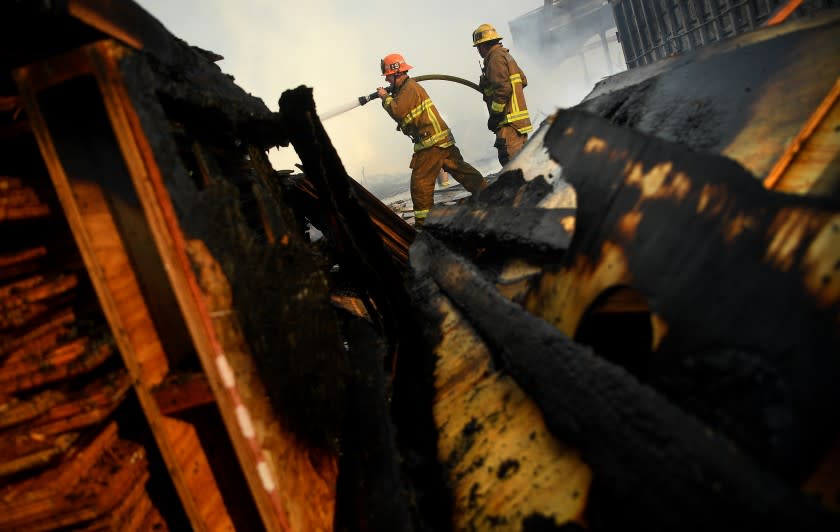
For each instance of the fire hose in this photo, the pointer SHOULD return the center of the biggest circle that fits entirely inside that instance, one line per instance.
(365, 99)
(441, 77)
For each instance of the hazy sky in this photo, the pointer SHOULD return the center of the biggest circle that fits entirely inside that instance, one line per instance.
(335, 46)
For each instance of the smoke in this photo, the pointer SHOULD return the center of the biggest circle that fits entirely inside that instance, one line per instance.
(335, 47)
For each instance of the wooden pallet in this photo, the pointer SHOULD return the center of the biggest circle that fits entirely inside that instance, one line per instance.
(169, 307)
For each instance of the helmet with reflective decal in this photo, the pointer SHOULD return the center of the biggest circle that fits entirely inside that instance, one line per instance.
(393, 63)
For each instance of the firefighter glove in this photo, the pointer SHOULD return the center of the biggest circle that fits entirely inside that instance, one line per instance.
(494, 120)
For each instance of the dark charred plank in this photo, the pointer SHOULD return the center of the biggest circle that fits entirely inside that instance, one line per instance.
(506, 230)
(742, 281)
(370, 487)
(510, 189)
(370, 267)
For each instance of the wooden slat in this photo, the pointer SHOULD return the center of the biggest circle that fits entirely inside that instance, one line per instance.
(40, 346)
(93, 494)
(24, 212)
(16, 411)
(118, 519)
(17, 456)
(19, 257)
(21, 262)
(25, 300)
(92, 404)
(183, 391)
(47, 484)
(41, 336)
(73, 358)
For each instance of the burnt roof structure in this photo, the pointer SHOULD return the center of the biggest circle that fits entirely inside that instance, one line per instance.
(635, 324)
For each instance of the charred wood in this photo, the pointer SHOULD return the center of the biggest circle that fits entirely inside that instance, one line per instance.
(279, 291)
(525, 231)
(655, 466)
(369, 266)
(701, 239)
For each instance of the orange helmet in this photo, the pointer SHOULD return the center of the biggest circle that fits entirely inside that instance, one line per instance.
(393, 63)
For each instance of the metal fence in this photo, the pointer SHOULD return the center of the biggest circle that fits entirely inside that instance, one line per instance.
(650, 30)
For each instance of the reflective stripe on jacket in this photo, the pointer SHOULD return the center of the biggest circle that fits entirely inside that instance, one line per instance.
(417, 116)
(503, 84)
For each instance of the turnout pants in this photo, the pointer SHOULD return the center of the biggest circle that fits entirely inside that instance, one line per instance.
(425, 167)
(508, 142)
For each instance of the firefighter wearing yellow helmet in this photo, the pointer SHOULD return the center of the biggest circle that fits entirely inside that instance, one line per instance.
(409, 105)
(503, 84)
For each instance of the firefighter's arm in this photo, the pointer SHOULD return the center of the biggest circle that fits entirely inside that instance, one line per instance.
(499, 79)
(485, 88)
(397, 106)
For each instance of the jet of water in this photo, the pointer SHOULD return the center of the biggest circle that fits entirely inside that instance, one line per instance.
(358, 102)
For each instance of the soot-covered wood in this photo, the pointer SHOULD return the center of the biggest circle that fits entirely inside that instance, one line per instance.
(364, 258)
(279, 290)
(731, 268)
(526, 231)
(655, 466)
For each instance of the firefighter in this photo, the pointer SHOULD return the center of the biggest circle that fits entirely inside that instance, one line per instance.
(503, 84)
(434, 146)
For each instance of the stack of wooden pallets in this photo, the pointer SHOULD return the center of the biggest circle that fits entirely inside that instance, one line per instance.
(62, 461)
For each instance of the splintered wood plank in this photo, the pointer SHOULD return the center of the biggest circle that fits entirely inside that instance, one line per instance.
(183, 391)
(19, 257)
(95, 493)
(53, 325)
(17, 456)
(40, 346)
(23, 212)
(30, 298)
(118, 519)
(113, 276)
(137, 514)
(15, 411)
(89, 405)
(19, 202)
(72, 358)
(49, 483)
(19, 197)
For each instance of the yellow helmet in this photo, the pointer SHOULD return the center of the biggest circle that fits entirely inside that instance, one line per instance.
(485, 33)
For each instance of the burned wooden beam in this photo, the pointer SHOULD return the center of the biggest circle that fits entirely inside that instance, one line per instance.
(371, 270)
(526, 231)
(654, 465)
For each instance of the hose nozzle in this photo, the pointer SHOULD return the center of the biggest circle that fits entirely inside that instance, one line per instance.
(365, 99)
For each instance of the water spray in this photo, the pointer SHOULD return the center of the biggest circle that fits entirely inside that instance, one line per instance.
(362, 100)
(358, 102)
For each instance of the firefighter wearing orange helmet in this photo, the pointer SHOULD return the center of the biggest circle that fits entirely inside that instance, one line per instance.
(503, 84)
(409, 105)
